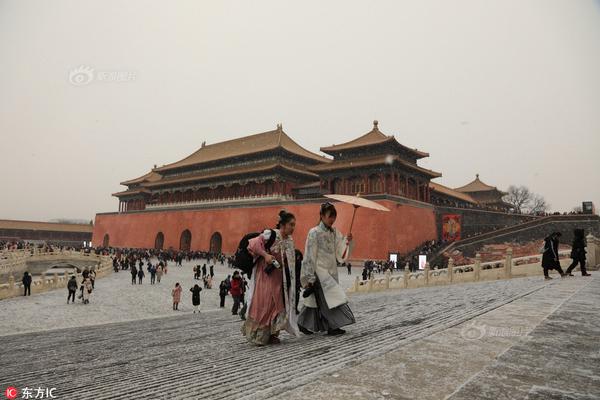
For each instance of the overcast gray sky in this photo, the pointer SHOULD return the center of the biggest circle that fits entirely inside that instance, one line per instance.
(509, 89)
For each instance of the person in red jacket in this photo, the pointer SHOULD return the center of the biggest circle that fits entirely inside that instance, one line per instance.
(236, 292)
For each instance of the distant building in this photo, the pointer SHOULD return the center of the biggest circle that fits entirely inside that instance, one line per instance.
(210, 199)
(61, 233)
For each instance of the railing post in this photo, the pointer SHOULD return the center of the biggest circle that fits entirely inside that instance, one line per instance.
(356, 284)
(11, 283)
(370, 284)
(55, 280)
(426, 274)
(593, 251)
(387, 279)
(477, 267)
(450, 269)
(508, 263)
(405, 277)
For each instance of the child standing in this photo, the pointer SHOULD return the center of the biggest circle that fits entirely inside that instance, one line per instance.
(176, 293)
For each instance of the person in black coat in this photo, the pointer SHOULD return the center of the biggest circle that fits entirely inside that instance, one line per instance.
(26, 283)
(133, 273)
(196, 297)
(578, 253)
(72, 287)
(223, 290)
(550, 255)
(141, 275)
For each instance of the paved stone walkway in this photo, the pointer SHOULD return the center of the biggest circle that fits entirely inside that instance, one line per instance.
(205, 356)
(545, 345)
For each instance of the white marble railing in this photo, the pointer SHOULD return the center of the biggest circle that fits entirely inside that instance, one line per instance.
(17, 259)
(506, 268)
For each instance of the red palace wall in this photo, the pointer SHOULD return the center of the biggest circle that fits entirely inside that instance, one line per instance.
(376, 233)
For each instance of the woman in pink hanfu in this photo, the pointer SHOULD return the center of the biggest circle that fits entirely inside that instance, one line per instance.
(271, 298)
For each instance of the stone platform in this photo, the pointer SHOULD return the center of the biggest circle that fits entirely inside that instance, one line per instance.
(520, 338)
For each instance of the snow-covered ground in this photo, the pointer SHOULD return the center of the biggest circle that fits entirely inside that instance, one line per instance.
(115, 299)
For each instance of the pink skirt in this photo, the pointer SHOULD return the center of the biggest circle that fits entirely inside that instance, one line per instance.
(267, 315)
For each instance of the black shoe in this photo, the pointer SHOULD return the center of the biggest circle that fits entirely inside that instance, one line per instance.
(569, 274)
(305, 331)
(335, 332)
(586, 274)
(547, 278)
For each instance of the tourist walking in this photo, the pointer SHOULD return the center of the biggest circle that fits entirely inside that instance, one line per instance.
(141, 275)
(176, 294)
(133, 274)
(72, 288)
(325, 303)
(236, 292)
(578, 253)
(92, 276)
(87, 290)
(271, 295)
(159, 272)
(223, 293)
(550, 258)
(196, 297)
(152, 271)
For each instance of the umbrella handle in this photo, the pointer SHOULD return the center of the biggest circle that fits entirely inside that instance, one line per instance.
(351, 223)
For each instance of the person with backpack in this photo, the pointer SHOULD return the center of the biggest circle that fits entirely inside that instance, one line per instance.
(196, 297)
(325, 301)
(271, 297)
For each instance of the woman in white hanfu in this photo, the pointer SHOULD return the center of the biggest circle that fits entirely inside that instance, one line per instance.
(271, 297)
(325, 303)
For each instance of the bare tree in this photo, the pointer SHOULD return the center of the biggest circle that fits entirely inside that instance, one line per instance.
(518, 197)
(525, 201)
(538, 205)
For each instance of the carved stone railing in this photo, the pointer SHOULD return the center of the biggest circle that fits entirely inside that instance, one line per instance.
(15, 260)
(506, 268)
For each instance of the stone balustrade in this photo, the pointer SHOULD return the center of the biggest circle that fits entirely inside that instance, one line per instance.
(506, 268)
(16, 260)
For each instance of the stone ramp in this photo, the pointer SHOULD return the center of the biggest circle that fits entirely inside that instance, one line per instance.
(560, 359)
(205, 356)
